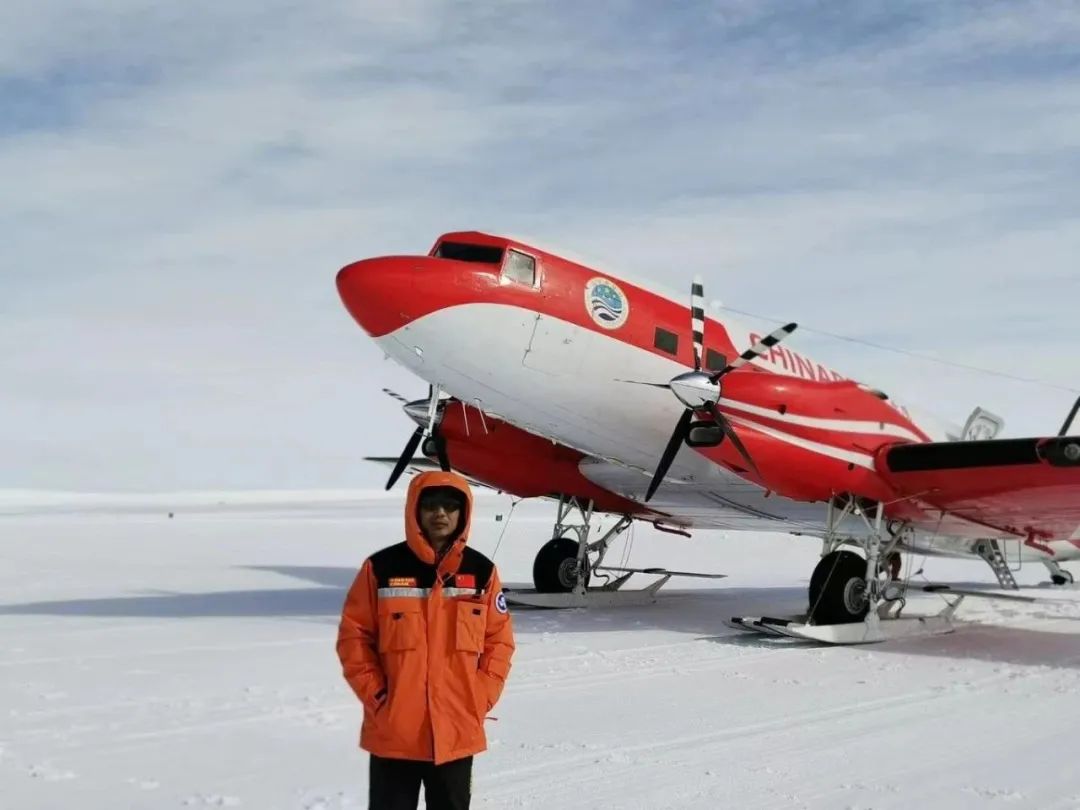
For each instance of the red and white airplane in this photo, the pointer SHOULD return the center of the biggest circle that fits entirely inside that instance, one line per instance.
(568, 382)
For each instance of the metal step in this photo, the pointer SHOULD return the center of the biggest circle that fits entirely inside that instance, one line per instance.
(990, 550)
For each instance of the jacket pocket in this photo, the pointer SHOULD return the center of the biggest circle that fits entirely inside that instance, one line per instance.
(399, 628)
(470, 626)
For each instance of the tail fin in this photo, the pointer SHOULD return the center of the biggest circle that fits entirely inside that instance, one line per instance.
(981, 425)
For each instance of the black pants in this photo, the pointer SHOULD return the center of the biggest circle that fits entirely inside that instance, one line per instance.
(395, 784)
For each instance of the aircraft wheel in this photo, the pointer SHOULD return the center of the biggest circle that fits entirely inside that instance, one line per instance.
(838, 589)
(555, 567)
(1064, 578)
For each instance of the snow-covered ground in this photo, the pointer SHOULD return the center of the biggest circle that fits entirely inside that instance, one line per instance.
(149, 662)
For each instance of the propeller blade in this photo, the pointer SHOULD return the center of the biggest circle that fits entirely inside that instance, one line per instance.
(405, 457)
(395, 395)
(440, 450)
(733, 437)
(697, 319)
(641, 382)
(670, 452)
(756, 350)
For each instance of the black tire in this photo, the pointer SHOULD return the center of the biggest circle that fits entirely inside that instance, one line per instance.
(1064, 578)
(555, 566)
(836, 589)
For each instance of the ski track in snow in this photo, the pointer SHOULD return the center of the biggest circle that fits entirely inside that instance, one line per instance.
(190, 664)
(686, 756)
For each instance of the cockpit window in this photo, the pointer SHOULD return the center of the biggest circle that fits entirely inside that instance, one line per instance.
(464, 252)
(520, 267)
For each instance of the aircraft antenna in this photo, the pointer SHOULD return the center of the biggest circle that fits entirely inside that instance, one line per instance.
(917, 355)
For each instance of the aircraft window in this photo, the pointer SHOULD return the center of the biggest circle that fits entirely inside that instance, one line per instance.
(520, 268)
(714, 361)
(464, 252)
(666, 341)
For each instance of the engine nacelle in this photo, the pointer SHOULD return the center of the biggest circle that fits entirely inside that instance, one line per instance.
(523, 464)
(810, 440)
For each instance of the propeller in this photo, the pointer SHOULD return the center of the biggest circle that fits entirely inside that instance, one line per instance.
(756, 351)
(426, 414)
(682, 427)
(700, 390)
(405, 457)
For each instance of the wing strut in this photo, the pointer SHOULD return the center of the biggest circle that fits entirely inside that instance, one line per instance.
(1070, 419)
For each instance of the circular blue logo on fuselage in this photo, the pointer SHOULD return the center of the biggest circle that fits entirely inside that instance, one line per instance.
(606, 303)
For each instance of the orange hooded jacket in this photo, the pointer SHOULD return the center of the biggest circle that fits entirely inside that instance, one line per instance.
(424, 643)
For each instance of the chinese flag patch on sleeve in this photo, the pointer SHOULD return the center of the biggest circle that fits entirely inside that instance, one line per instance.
(465, 581)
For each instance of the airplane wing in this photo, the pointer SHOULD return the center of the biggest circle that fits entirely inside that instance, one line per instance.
(731, 503)
(1022, 487)
(726, 501)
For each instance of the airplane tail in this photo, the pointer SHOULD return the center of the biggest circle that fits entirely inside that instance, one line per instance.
(981, 425)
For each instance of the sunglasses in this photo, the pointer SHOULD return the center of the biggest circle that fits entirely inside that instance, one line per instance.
(446, 504)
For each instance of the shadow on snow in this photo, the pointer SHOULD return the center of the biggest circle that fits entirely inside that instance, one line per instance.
(701, 613)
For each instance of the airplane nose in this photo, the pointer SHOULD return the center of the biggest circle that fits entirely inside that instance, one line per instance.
(380, 293)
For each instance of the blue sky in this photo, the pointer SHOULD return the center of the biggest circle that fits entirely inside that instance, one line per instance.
(182, 184)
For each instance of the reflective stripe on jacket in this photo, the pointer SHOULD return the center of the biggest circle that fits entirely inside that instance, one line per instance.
(424, 643)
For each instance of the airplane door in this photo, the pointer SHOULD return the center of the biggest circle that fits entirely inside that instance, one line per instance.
(557, 348)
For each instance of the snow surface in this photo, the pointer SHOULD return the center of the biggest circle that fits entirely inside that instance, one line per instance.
(149, 662)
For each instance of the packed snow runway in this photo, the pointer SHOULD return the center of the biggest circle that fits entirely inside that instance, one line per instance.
(149, 662)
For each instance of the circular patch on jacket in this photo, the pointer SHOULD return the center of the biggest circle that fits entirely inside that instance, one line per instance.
(500, 602)
(607, 304)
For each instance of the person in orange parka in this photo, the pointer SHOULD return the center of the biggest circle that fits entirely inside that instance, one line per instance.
(425, 642)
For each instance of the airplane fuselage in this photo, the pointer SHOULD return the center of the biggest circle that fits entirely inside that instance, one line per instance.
(560, 350)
